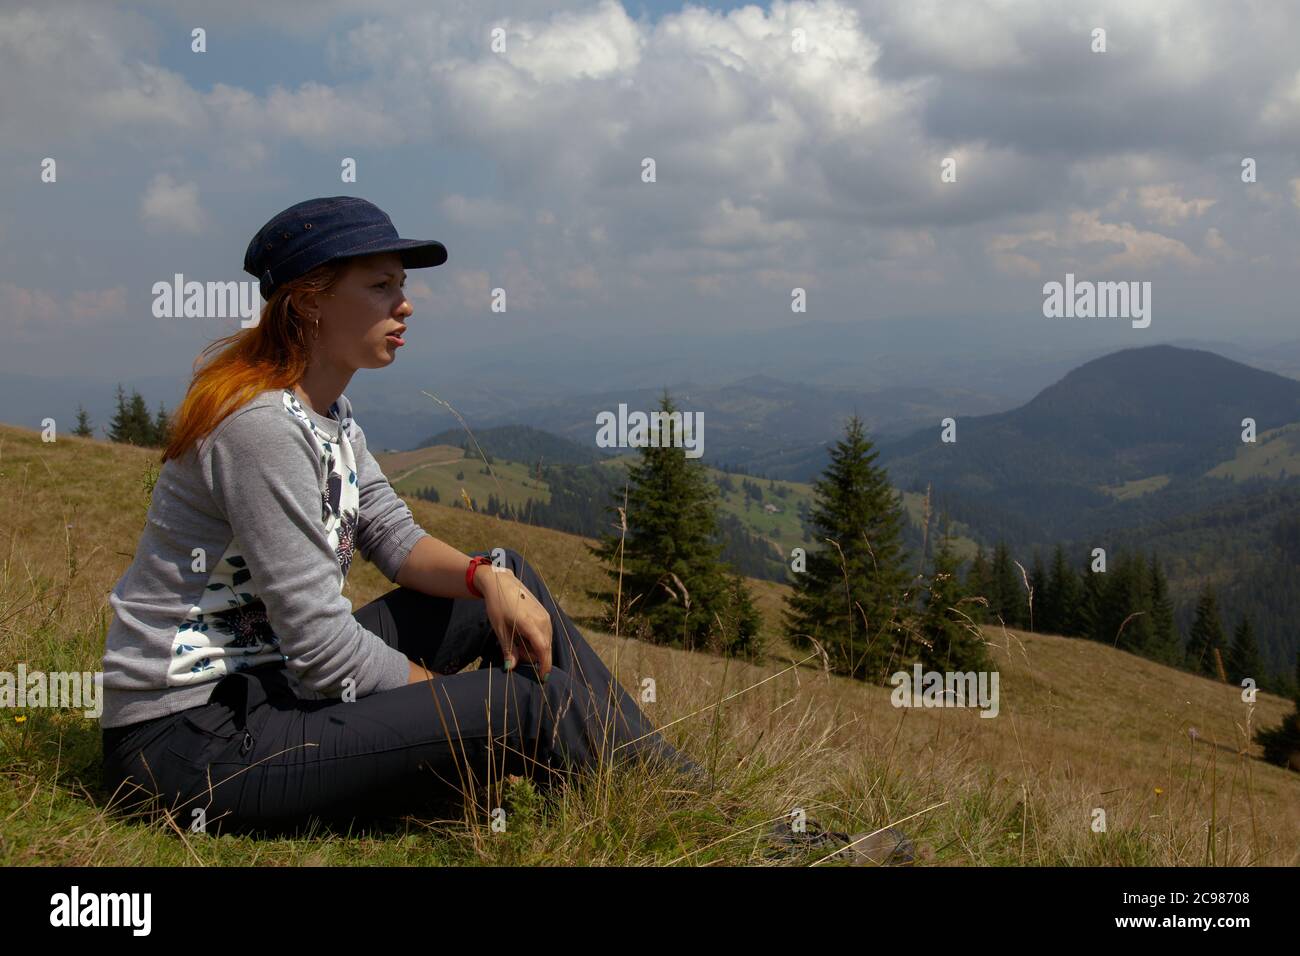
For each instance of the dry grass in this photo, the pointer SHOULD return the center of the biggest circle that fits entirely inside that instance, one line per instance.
(1081, 726)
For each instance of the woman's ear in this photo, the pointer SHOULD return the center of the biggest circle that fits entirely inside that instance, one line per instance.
(304, 303)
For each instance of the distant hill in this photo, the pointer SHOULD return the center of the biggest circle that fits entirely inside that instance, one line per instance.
(521, 443)
(1127, 416)
(1140, 449)
(1134, 436)
(765, 425)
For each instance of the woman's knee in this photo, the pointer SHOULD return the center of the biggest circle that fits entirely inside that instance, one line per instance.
(518, 564)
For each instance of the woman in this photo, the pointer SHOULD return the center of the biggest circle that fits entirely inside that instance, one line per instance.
(238, 684)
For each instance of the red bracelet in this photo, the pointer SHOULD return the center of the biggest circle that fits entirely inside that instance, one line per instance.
(474, 563)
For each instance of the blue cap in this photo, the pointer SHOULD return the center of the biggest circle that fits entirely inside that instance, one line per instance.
(317, 231)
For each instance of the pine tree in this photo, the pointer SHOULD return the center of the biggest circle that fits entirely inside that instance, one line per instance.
(1282, 743)
(1061, 597)
(119, 427)
(954, 644)
(850, 597)
(1007, 602)
(83, 427)
(131, 423)
(1037, 584)
(141, 424)
(1128, 607)
(161, 430)
(1092, 603)
(979, 584)
(740, 623)
(1206, 635)
(672, 581)
(1243, 656)
(1166, 644)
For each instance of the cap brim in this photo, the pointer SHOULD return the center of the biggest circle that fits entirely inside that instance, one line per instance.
(415, 253)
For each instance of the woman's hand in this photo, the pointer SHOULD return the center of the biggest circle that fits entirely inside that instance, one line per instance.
(521, 623)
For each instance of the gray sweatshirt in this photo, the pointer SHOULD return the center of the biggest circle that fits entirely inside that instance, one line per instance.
(242, 562)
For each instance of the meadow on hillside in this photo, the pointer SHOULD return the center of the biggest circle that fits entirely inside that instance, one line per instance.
(1080, 727)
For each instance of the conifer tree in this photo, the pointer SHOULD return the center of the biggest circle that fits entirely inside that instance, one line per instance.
(979, 584)
(1092, 603)
(850, 597)
(1206, 635)
(160, 431)
(1243, 656)
(1127, 605)
(1282, 743)
(1166, 644)
(740, 622)
(1037, 584)
(83, 427)
(1061, 597)
(119, 426)
(954, 643)
(1007, 602)
(673, 582)
(131, 423)
(141, 422)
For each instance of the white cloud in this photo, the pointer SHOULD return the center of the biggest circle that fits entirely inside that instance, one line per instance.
(731, 225)
(28, 312)
(1214, 241)
(1166, 207)
(596, 44)
(480, 212)
(169, 206)
(820, 165)
(1077, 242)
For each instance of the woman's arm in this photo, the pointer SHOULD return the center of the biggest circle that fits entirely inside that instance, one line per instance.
(264, 474)
(435, 567)
(522, 625)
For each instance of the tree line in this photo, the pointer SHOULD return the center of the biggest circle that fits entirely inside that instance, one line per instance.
(131, 423)
(856, 604)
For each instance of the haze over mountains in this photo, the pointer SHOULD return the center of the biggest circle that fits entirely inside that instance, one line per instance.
(769, 395)
(1137, 447)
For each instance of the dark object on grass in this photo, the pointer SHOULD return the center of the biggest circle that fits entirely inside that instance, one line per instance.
(886, 847)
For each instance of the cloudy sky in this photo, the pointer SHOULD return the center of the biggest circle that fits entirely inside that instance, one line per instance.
(776, 167)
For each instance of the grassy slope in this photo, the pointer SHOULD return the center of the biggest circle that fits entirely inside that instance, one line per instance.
(1081, 726)
(438, 466)
(1275, 454)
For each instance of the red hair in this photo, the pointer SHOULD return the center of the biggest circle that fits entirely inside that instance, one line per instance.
(272, 354)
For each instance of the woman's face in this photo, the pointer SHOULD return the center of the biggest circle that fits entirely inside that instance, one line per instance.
(363, 318)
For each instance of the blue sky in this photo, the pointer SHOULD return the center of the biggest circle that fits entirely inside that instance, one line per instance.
(817, 169)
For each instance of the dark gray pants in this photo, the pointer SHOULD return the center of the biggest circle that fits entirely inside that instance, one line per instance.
(256, 757)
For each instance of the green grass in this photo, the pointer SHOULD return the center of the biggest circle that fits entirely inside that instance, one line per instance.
(1136, 488)
(1081, 726)
(1275, 454)
(509, 481)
